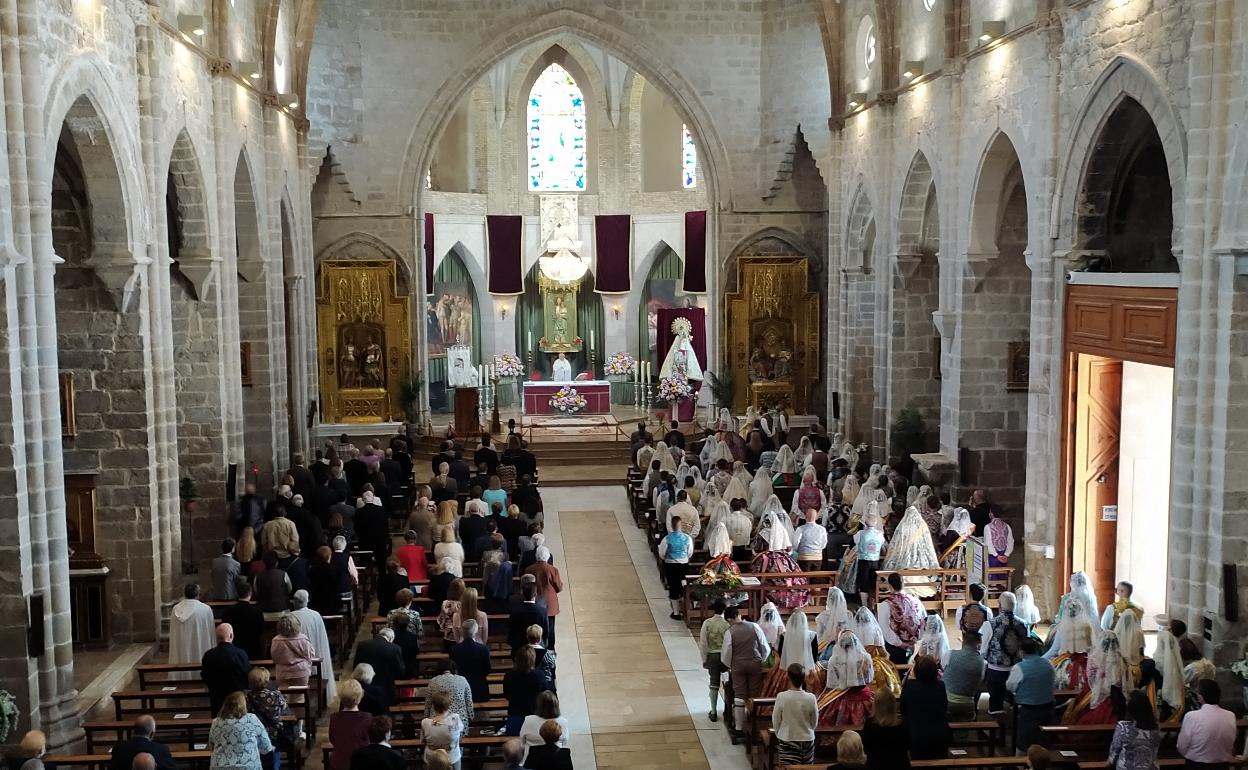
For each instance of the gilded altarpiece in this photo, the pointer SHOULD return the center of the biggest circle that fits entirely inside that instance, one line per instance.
(364, 341)
(773, 326)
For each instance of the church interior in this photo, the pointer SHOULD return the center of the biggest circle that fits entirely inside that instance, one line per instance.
(978, 261)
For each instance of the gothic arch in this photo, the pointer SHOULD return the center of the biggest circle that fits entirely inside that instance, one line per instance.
(795, 241)
(999, 171)
(1124, 77)
(361, 245)
(860, 231)
(79, 102)
(427, 131)
(250, 262)
(581, 67)
(484, 299)
(918, 192)
(187, 179)
(641, 274)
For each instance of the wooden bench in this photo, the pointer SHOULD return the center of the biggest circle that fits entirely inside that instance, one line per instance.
(476, 746)
(186, 732)
(199, 760)
(947, 587)
(155, 675)
(194, 700)
(984, 736)
(336, 628)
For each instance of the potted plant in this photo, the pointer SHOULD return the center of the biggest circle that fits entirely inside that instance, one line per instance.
(909, 435)
(409, 397)
(189, 495)
(722, 390)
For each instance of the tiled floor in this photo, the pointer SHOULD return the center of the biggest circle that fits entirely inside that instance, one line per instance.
(638, 671)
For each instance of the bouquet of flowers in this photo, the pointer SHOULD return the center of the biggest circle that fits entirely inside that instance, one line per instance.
(620, 363)
(1240, 668)
(508, 365)
(724, 576)
(673, 388)
(568, 401)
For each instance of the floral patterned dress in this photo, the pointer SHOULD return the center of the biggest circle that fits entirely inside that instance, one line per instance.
(238, 743)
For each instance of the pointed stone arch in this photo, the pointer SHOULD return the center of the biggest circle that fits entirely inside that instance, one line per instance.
(186, 213)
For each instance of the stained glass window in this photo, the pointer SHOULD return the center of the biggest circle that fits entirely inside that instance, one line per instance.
(556, 133)
(688, 158)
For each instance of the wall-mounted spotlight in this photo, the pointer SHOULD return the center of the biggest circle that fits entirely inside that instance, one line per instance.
(289, 101)
(615, 309)
(912, 70)
(191, 27)
(857, 99)
(502, 310)
(991, 30)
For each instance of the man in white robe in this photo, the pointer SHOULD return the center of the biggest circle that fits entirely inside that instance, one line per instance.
(313, 626)
(562, 369)
(192, 631)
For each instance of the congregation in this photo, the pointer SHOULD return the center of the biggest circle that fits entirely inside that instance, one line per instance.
(877, 658)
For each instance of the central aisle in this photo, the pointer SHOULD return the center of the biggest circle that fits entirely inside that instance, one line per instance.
(644, 690)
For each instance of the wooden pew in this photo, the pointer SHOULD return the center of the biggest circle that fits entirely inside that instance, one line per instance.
(194, 700)
(983, 737)
(474, 745)
(153, 676)
(336, 628)
(947, 586)
(185, 732)
(195, 760)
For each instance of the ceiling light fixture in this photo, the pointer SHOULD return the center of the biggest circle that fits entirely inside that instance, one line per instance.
(857, 99)
(913, 70)
(191, 26)
(991, 30)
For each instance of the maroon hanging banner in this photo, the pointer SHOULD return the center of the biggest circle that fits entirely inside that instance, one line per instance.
(695, 252)
(504, 235)
(613, 247)
(429, 253)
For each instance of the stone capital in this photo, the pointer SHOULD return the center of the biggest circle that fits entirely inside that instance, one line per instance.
(905, 267)
(252, 270)
(120, 270)
(975, 270)
(946, 323)
(198, 266)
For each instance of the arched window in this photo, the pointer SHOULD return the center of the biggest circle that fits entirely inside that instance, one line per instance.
(688, 158)
(556, 133)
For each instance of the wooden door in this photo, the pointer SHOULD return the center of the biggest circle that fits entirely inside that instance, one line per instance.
(1098, 415)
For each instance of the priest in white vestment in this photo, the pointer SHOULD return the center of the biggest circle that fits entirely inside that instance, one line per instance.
(192, 631)
(562, 369)
(313, 626)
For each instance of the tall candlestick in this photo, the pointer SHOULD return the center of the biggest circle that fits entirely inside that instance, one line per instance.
(591, 339)
(530, 339)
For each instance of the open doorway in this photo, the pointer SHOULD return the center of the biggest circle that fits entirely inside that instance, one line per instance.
(1121, 488)
(1116, 450)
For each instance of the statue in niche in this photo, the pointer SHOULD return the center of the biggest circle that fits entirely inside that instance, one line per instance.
(784, 366)
(561, 320)
(348, 366)
(374, 368)
(760, 364)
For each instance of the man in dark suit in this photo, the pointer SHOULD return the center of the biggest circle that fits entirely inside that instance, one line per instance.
(528, 498)
(141, 741)
(378, 754)
(407, 642)
(224, 668)
(323, 498)
(393, 471)
(461, 472)
(445, 455)
(385, 657)
(527, 613)
(247, 620)
(356, 472)
(486, 455)
(338, 481)
(472, 662)
(311, 536)
(674, 437)
(305, 482)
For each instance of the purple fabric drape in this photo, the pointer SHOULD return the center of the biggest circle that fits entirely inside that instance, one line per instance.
(429, 253)
(697, 319)
(695, 252)
(506, 265)
(613, 245)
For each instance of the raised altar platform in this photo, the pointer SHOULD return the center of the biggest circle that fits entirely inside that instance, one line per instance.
(537, 395)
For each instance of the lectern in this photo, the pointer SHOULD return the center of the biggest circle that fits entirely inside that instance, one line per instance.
(466, 423)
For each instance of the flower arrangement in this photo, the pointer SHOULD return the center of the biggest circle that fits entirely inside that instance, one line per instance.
(620, 363)
(568, 401)
(673, 388)
(544, 342)
(508, 365)
(1240, 668)
(8, 714)
(726, 578)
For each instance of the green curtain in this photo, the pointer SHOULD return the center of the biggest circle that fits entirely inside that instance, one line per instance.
(529, 319)
(666, 268)
(452, 272)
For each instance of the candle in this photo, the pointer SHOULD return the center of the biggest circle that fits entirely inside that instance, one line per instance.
(530, 339)
(591, 339)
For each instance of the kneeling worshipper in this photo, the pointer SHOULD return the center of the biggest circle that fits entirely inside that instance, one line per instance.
(1171, 698)
(707, 454)
(952, 555)
(784, 468)
(663, 453)
(798, 645)
(736, 490)
(933, 642)
(760, 491)
(778, 558)
(739, 473)
(1073, 640)
(848, 698)
(834, 619)
(850, 489)
(1109, 683)
(867, 629)
(809, 496)
(805, 450)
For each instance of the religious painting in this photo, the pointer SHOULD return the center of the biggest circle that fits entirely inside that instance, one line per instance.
(559, 311)
(449, 319)
(1018, 373)
(460, 373)
(80, 518)
(69, 414)
(361, 356)
(245, 362)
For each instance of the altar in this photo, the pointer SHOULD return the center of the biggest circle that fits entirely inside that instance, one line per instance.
(597, 395)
